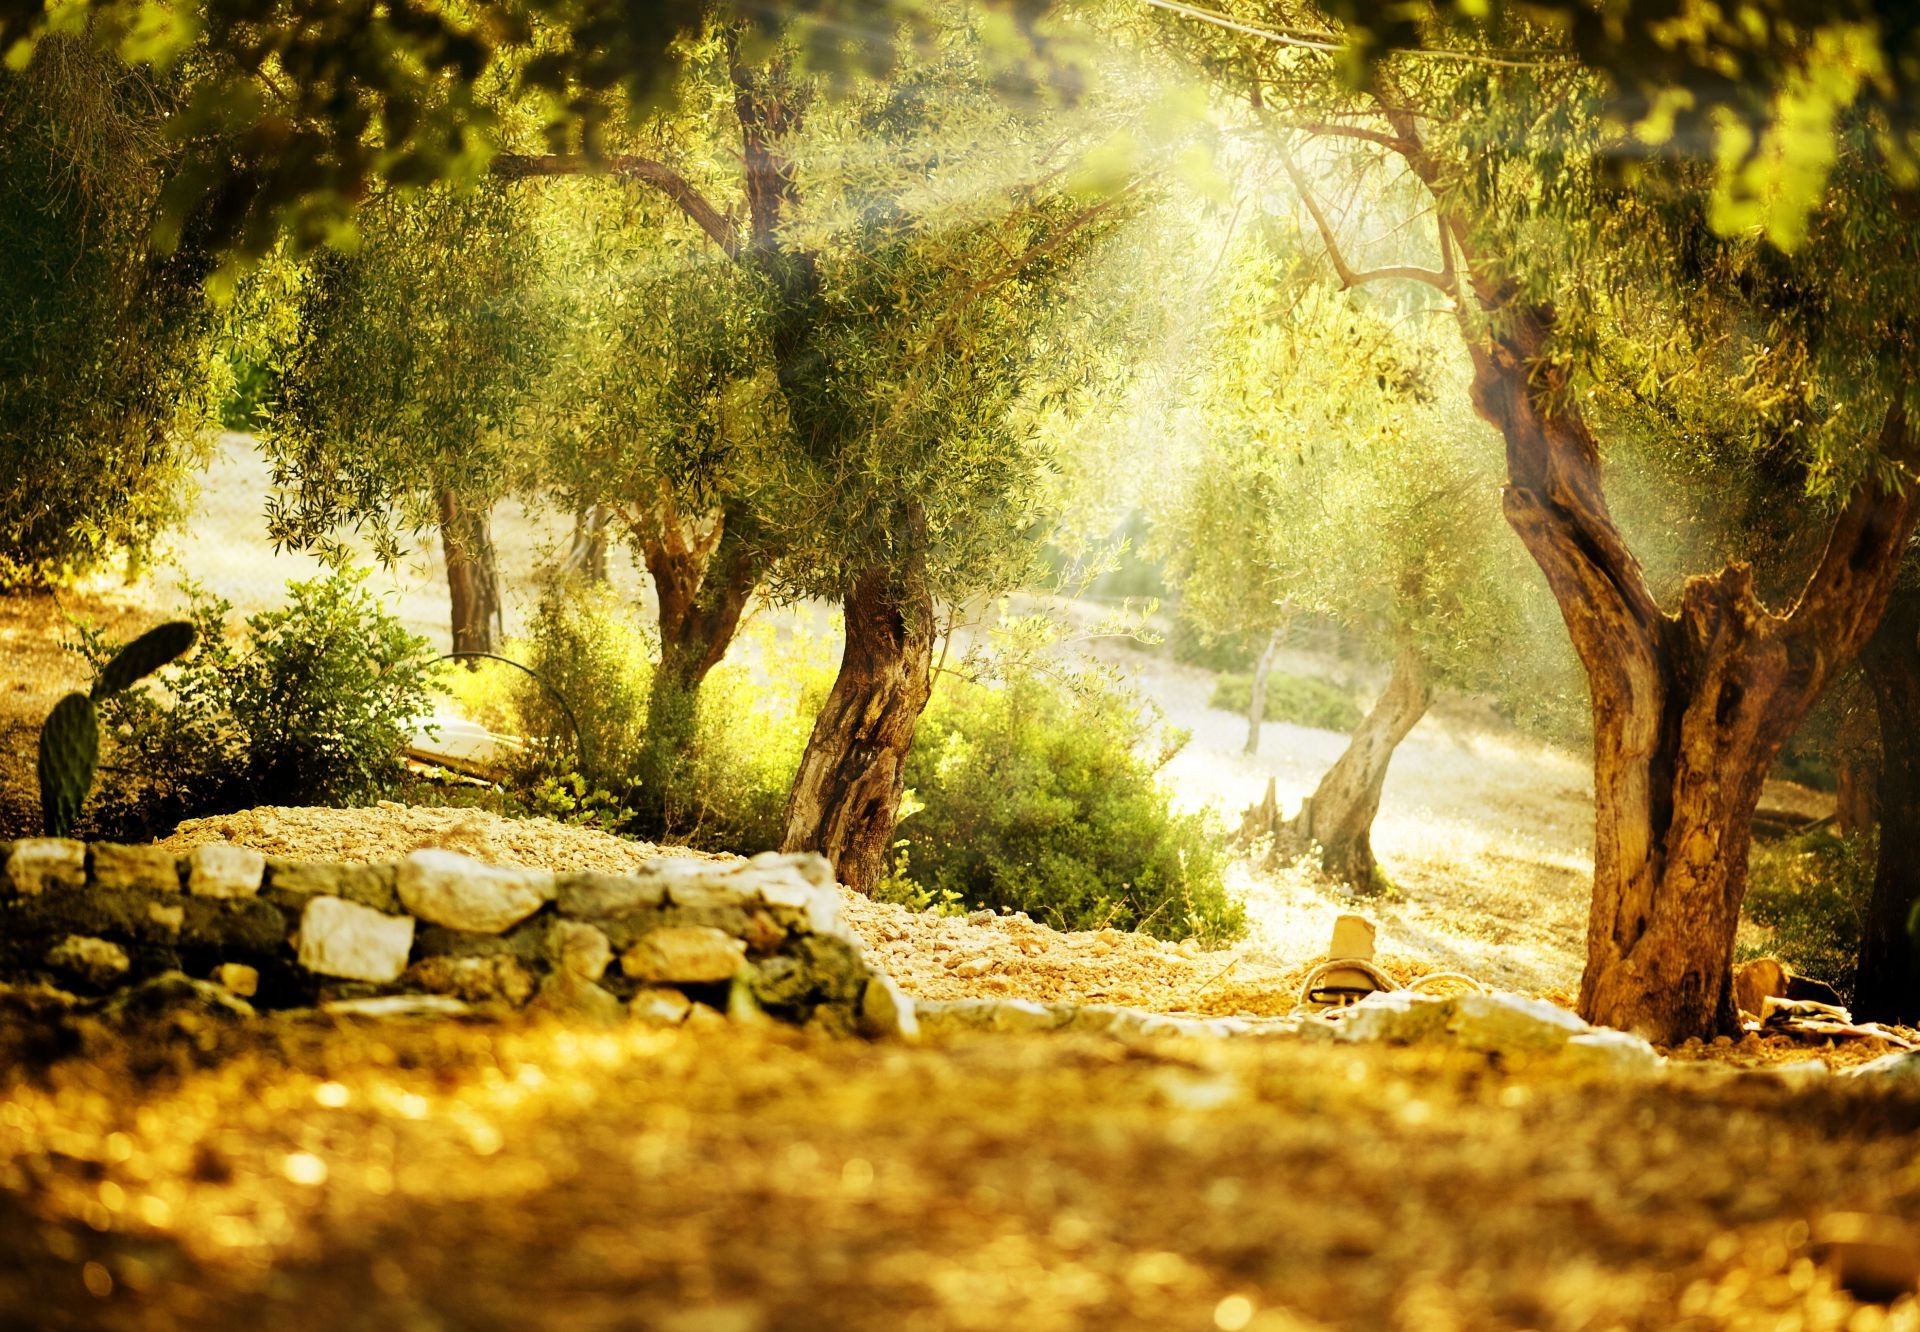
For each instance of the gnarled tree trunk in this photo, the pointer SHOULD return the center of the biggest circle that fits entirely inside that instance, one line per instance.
(703, 576)
(1886, 984)
(846, 796)
(1338, 816)
(473, 579)
(1257, 695)
(1690, 708)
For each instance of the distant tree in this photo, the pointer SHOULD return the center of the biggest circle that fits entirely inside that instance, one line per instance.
(109, 374)
(398, 386)
(1338, 474)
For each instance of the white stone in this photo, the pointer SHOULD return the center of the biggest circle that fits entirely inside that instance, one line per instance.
(241, 979)
(1502, 1021)
(447, 888)
(398, 1006)
(684, 954)
(580, 949)
(223, 870)
(98, 962)
(39, 863)
(1902, 1066)
(344, 939)
(886, 1010)
(148, 867)
(660, 1007)
(1611, 1051)
(1397, 1016)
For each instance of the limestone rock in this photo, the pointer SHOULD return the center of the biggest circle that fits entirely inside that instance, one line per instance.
(223, 870)
(344, 939)
(1611, 1051)
(887, 1011)
(242, 980)
(659, 1006)
(1510, 1022)
(147, 867)
(474, 979)
(98, 962)
(591, 895)
(1901, 1066)
(39, 863)
(461, 893)
(369, 885)
(564, 994)
(580, 949)
(1400, 1017)
(384, 1006)
(168, 918)
(685, 954)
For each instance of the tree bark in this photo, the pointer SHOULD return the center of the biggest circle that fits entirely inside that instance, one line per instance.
(1338, 816)
(1690, 709)
(1886, 984)
(846, 796)
(587, 551)
(473, 579)
(1257, 695)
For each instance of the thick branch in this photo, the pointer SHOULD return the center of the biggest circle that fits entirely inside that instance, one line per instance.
(1440, 279)
(1868, 540)
(627, 166)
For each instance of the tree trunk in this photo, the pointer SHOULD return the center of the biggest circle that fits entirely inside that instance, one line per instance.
(587, 551)
(1338, 816)
(1886, 984)
(1690, 709)
(703, 577)
(1257, 696)
(473, 580)
(846, 795)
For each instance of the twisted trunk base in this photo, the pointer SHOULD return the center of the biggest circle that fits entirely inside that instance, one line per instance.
(846, 796)
(1338, 816)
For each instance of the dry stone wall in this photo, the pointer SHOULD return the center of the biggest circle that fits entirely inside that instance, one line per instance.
(442, 932)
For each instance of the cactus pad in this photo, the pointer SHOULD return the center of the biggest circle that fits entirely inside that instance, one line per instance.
(143, 656)
(69, 751)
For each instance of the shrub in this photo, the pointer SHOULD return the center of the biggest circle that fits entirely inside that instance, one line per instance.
(1811, 891)
(1036, 793)
(728, 790)
(1299, 699)
(314, 708)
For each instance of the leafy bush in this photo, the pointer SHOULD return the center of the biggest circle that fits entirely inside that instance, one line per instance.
(728, 791)
(313, 709)
(1811, 891)
(1299, 699)
(1037, 793)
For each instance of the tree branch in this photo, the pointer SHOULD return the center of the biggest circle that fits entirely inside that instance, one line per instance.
(628, 166)
(1440, 279)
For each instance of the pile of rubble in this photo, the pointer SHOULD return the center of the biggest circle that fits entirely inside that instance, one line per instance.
(438, 931)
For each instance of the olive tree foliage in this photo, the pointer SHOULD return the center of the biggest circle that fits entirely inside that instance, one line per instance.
(398, 385)
(1337, 472)
(109, 381)
(1556, 230)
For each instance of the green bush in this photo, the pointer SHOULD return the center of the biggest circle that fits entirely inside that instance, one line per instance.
(727, 791)
(1811, 892)
(313, 708)
(1035, 793)
(1299, 699)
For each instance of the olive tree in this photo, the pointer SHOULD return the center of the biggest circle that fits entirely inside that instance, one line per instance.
(109, 372)
(1542, 243)
(396, 395)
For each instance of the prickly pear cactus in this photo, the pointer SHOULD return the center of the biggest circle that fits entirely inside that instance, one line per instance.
(70, 738)
(69, 751)
(143, 656)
